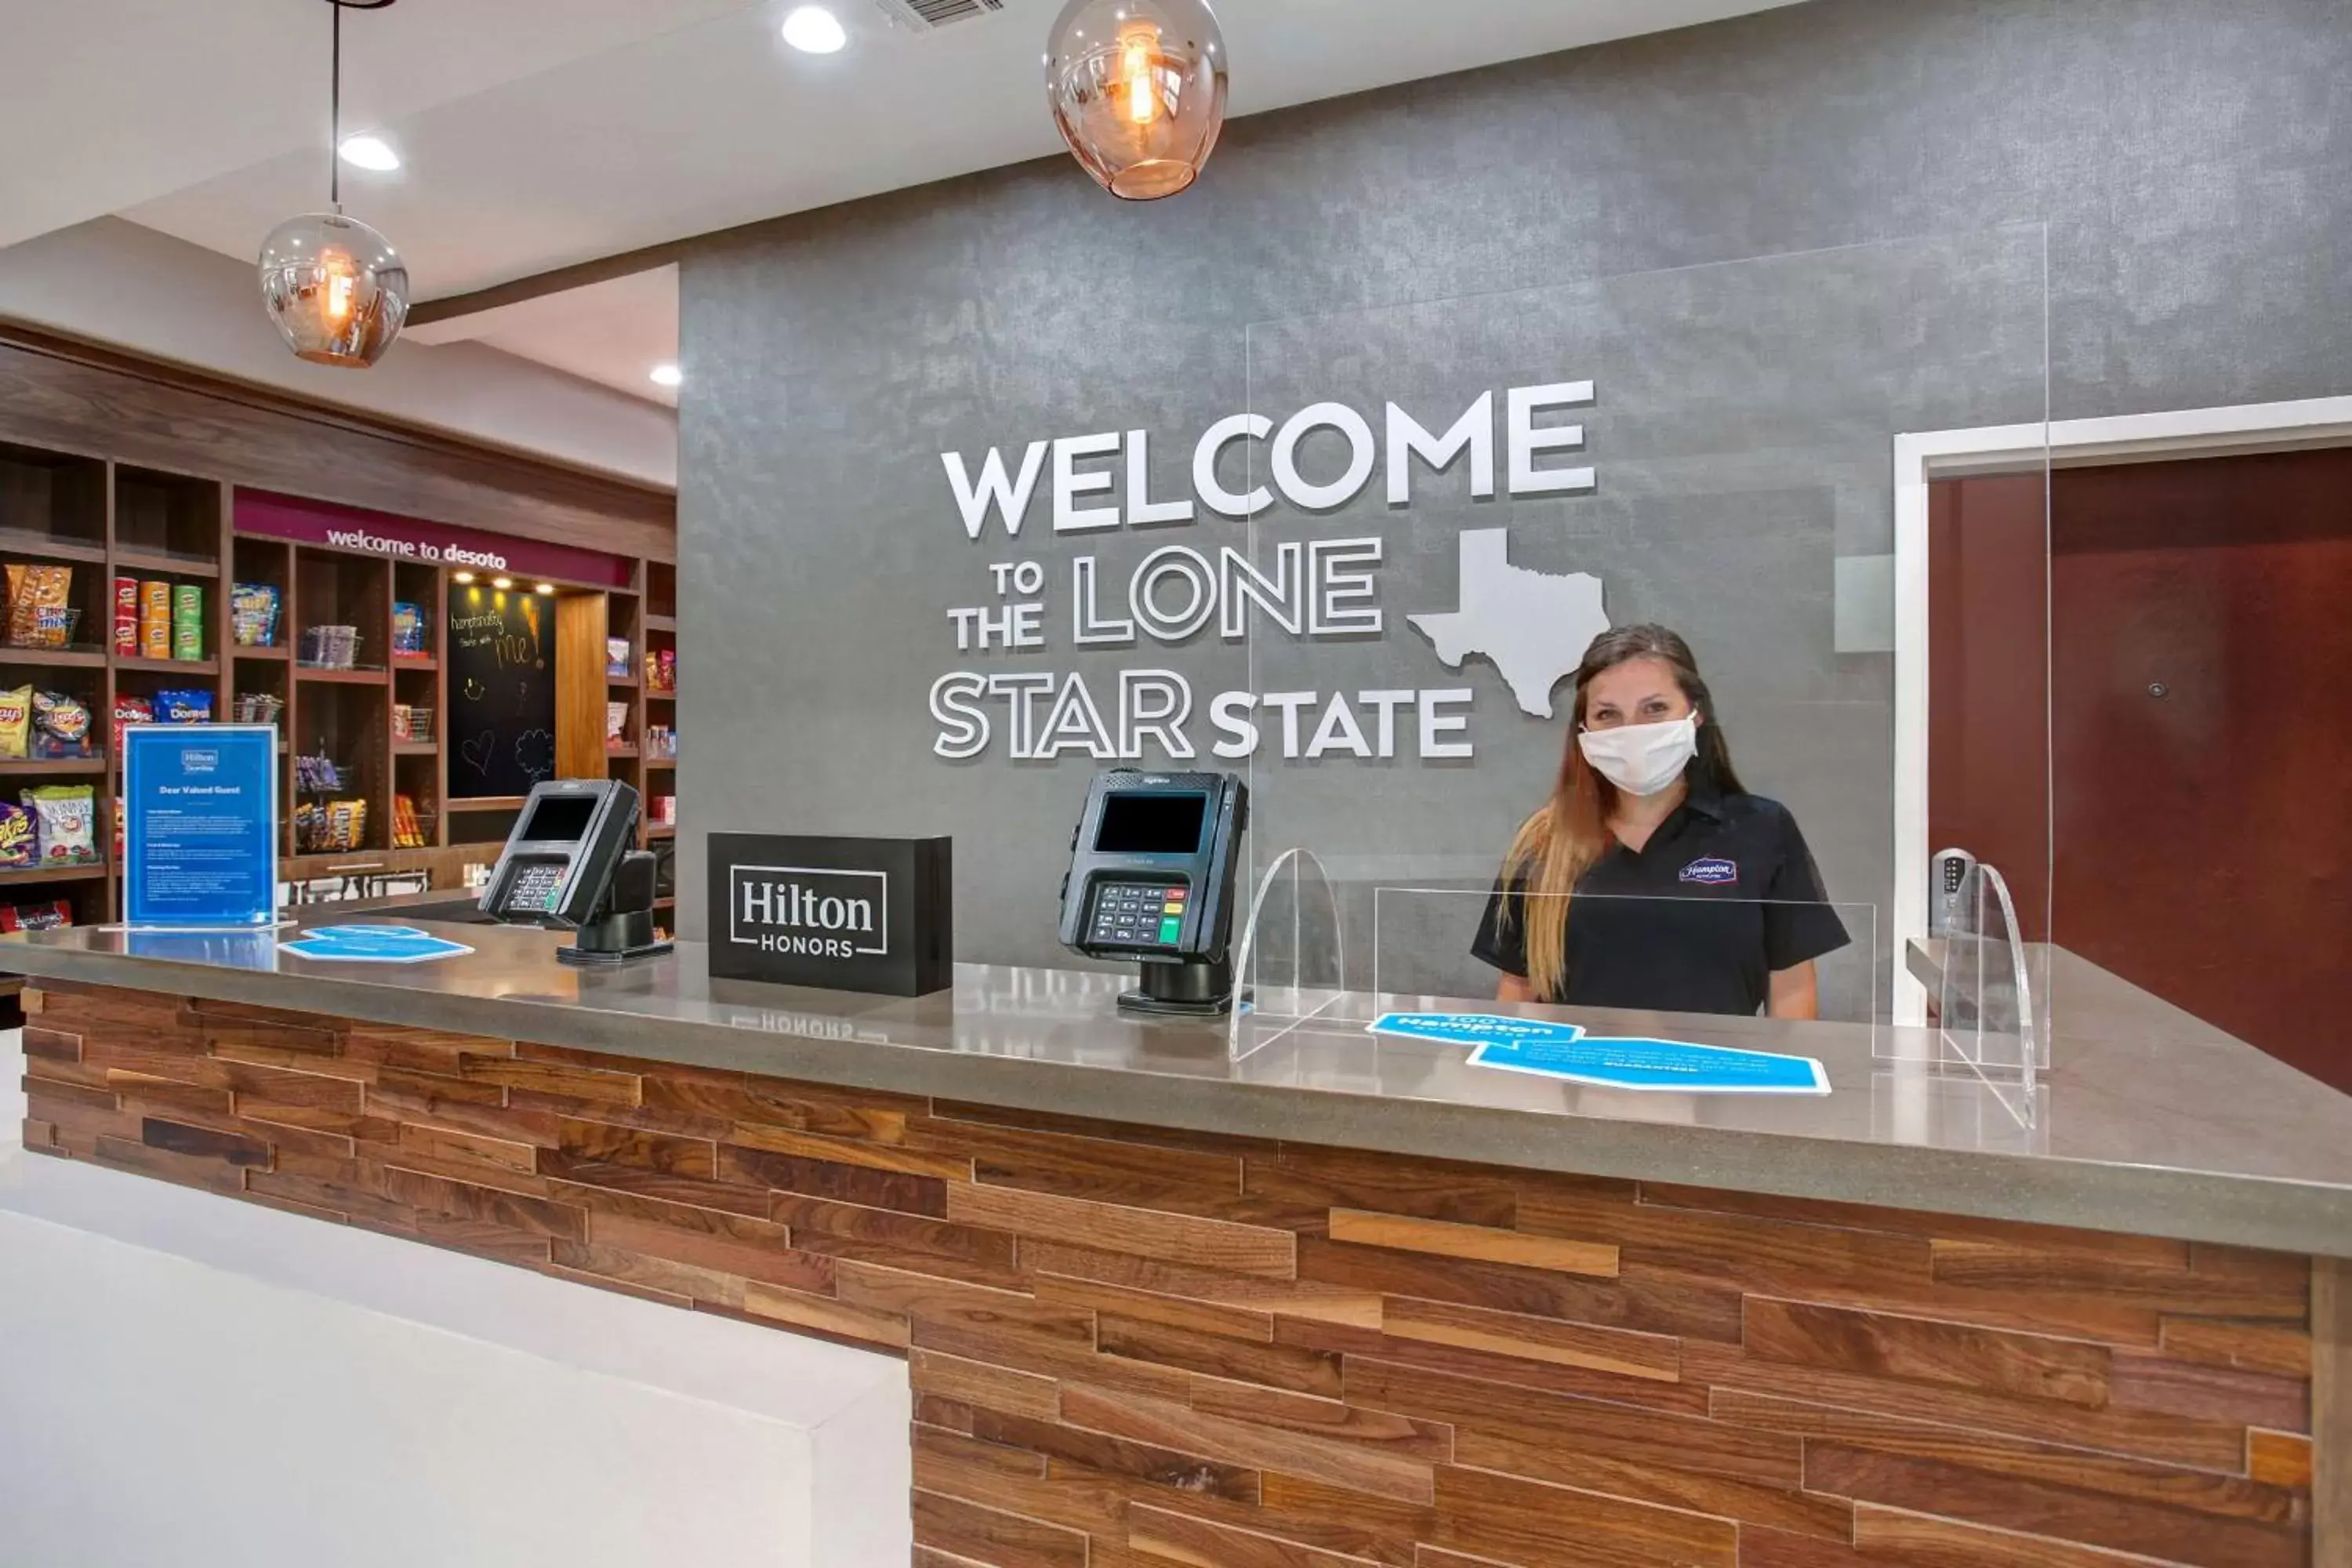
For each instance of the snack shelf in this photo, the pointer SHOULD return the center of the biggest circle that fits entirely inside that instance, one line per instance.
(30, 766)
(170, 666)
(624, 752)
(427, 665)
(81, 657)
(47, 546)
(332, 676)
(165, 564)
(661, 830)
(277, 651)
(661, 623)
(416, 748)
(628, 680)
(484, 802)
(82, 872)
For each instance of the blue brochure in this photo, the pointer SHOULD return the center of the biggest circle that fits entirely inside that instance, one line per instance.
(373, 944)
(1565, 1051)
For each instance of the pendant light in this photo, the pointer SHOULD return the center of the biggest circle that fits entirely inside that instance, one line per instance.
(336, 289)
(1139, 91)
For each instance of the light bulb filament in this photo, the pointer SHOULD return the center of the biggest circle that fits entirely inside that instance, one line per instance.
(340, 284)
(1136, 66)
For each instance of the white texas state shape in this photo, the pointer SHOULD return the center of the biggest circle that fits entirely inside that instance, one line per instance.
(1534, 625)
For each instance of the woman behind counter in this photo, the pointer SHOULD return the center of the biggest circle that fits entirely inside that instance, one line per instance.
(1652, 879)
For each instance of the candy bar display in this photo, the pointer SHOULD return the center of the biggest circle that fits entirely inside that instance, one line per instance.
(616, 658)
(258, 707)
(46, 916)
(40, 609)
(330, 826)
(65, 824)
(412, 722)
(661, 669)
(330, 648)
(252, 615)
(188, 621)
(316, 776)
(411, 829)
(407, 630)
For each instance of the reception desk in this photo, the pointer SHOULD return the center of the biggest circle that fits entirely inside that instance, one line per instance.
(1346, 1299)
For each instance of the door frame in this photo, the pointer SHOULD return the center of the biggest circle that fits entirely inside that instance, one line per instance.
(1922, 458)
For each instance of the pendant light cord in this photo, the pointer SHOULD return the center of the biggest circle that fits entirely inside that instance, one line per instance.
(335, 117)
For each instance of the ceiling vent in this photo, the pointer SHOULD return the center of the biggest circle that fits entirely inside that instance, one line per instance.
(930, 15)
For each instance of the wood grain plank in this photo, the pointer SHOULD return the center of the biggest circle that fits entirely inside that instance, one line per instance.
(893, 1238)
(185, 1170)
(240, 1048)
(1917, 1349)
(999, 1388)
(235, 1149)
(824, 1314)
(1182, 1138)
(986, 1536)
(1543, 1526)
(1208, 1243)
(1424, 1189)
(1552, 1376)
(918, 1195)
(1657, 1357)
(2171, 1439)
(853, 1115)
(2010, 1459)
(1381, 1430)
(1101, 1169)
(585, 1182)
(2037, 1507)
(871, 1154)
(1403, 1233)
(1687, 1311)
(683, 1280)
(394, 1091)
(2021, 1270)
(2215, 1394)
(1766, 1507)
(1886, 1536)
(597, 1084)
(1157, 1276)
(1165, 1424)
(1250, 1324)
(2331, 1411)
(51, 1045)
(1188, 1472)
(1285, 1367)
(2247, 1347)
(435, 1051)
(2279, 1459)
(2148, 1249)
(752, 1249)
(1166, 1536)
(662, 1152)
(1564, 1424)
(461, 1147)
(466, 1200)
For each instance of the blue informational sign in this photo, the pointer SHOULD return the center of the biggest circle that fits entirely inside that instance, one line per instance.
(1566, 1052)
(373, 944)
(200, 825)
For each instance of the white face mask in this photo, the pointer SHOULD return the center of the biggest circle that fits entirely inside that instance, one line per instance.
(1643, 759)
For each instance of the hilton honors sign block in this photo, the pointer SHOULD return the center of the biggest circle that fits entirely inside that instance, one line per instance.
(849, 914)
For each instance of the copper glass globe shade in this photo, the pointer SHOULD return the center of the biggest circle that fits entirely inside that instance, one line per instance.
(336, 288)
(1139, 91)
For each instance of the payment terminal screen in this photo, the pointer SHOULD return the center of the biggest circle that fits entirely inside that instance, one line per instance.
(1142, 823)
(558, 818)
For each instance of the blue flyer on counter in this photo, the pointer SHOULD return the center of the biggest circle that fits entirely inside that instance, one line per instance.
(200, 825)
(1567, 1052)
(373, 944)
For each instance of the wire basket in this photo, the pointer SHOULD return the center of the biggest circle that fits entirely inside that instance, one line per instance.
(259, 708)
(412, 722)
(330, 648)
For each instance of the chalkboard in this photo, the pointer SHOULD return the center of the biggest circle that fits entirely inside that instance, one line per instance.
(502, 653)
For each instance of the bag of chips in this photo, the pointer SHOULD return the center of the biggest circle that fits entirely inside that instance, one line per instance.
(60, 727)
(191, 707)
(40, 598)
(252, 615)
(16, 723)
(15, 836)
(65, 824)
(129, 710)
(46, 916)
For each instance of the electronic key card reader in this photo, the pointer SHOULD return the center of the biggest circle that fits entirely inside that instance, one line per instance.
(571, 863)
(1151, 882)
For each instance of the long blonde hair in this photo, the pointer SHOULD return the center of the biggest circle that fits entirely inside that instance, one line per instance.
(1569, 834)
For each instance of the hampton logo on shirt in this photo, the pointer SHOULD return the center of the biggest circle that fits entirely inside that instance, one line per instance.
(1712, 873)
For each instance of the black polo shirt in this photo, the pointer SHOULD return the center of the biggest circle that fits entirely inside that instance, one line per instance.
(1723, 894)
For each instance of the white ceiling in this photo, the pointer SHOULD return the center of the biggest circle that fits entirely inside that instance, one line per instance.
(538, 133)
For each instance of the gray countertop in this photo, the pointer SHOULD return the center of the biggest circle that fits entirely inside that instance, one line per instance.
(2162, 1133)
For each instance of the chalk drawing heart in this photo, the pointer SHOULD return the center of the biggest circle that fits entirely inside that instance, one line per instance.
(478, 750)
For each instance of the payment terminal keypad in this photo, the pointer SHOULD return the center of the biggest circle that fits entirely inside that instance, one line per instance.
(1137, 914)
(535, 887)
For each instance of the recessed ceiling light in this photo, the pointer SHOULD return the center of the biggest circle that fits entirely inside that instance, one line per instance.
(545, 588)
(369, 153)
(814, 30)
(462, 576)
(502, 582)
(668, 375)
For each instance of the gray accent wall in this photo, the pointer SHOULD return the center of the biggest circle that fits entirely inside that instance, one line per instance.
(2091, 206)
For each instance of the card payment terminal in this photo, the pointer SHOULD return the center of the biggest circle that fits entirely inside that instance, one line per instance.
(571, 863)
(1151, 882)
